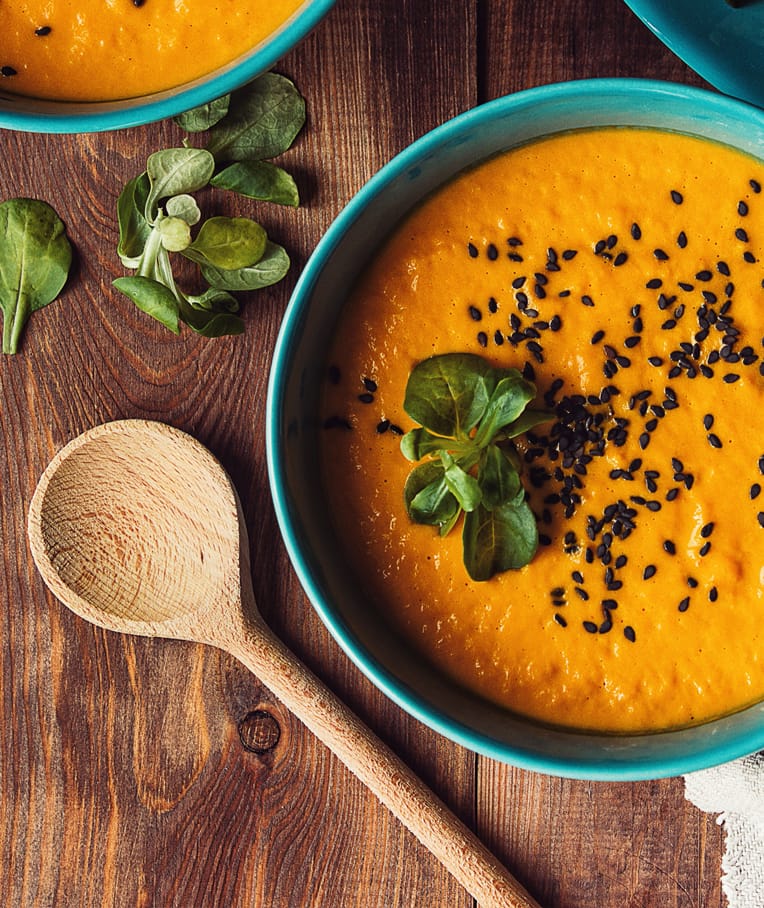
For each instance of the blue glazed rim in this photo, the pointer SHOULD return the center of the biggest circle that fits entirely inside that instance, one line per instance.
(100, 116)
(615, 757)
(720, 43)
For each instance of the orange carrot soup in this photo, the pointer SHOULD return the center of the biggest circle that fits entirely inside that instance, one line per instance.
(622, 272)
(98, 51)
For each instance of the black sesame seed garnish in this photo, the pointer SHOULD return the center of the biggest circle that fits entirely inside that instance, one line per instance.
(713, 594)
(475, 314)
(649, 572)
(760, 518)
(669, 547)
(755, 185)
(730, 378)
(620, 259)
(714, 440)
(704, 549)
(654, 283)
(661, 255)
(590, 627)
(8, 71)
(370, 384)
(336, 422)
(472, 250)
(742, 208)
(681, 240)
(708, 421)
(676, 197)
(692, 583)
(629, 634)
(740, 234)
(684, 604)
(755, 491)
(482, 338)
(382, 426)
(366, 398)
(560, 620)
(493, 305)
(43, 30)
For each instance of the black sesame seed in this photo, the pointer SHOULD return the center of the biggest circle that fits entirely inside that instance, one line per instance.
(654, 283)
(370, 384)
(7, 71)
(498, 337)
(482, 338)
(636, 233)
(590, 627)
(669, 547)
(676, 197)
(475, 314)
(493, 306)
(713, 594)
(730, 378)
(569, 254)
(714, 440)
(704, 549)
(684, 604)
(755, 491)
(723, 268)
(472, 250)
(655, 360)
(629, 634)
(597, 336)
(620, 259)
(708, 421)
(755, 185)
(560, 620)
(742, 208)
(671, 494)
(492, 252)
(587, 300)
(383, 426)
(336, 422)
(366, 398)
(692, 583)
(681, 240)
(741, 235)
(661, 255)
(760, 518)
(556, 323)
(649, 572)
(43, 30)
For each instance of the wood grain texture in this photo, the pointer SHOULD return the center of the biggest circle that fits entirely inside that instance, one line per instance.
(124, 780)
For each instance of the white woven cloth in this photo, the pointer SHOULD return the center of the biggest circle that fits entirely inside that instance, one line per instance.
(735, 791)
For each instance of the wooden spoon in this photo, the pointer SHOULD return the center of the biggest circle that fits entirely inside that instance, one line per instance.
(137, 528)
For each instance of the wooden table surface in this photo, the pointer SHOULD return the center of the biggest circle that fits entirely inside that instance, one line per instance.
(131, 771)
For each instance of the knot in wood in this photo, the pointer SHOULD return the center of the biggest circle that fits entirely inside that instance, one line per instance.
(259, 732)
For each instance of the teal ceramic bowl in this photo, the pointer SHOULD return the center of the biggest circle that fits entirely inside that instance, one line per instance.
(33, 115)
(292, 439)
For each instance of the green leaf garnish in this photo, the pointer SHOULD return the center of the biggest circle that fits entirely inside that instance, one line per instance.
(156, 210)
(35, 257)
(468, 411)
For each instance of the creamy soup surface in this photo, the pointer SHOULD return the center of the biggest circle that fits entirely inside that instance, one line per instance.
(622, 271)
(100, 50)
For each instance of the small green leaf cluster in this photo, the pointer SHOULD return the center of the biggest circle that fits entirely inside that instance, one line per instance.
(157, 211)
(35, 257)
(468, 413)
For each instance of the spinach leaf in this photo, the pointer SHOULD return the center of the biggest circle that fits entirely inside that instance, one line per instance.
(468, 412)
(134, 229)
(272, 267)
(173, 171)
(448, 394)
(259, 180)
(228, 243)
(263, 120)
(35, 257)
(428, 498)
(152, 297)
(201, 118)
(503, 539)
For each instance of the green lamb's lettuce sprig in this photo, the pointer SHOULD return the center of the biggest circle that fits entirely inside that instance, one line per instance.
(468, 412)
(159, 216)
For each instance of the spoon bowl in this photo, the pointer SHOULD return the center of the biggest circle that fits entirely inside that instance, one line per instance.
(137, 528)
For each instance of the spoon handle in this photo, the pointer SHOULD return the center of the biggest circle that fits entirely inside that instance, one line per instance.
(375, 764)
